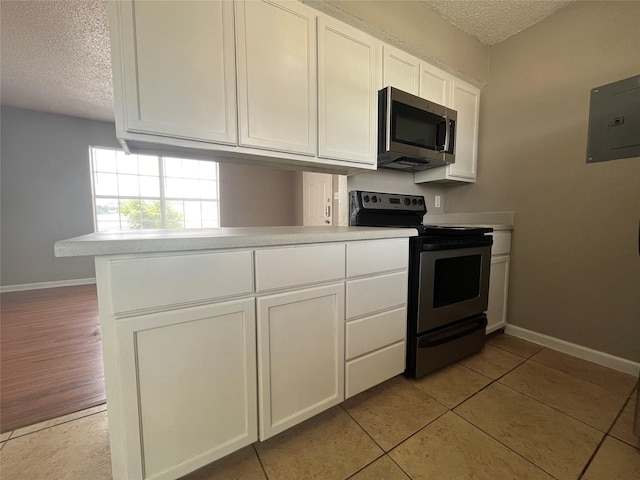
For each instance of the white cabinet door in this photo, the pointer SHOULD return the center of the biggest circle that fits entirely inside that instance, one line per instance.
(498, 293)
(174, 69)
(300, 355)
(435, 85)
(465, 99)
(347, 93)
(191, 375)
(277, 88)
(400, 70)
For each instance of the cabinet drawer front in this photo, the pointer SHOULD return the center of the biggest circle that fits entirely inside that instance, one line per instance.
(365, 258)
(375, 294)
(142, 283)
(375, 368)
(501, 243)
(371, 333)
(288, 267)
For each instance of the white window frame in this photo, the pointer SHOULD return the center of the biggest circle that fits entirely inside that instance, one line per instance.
(162, 198)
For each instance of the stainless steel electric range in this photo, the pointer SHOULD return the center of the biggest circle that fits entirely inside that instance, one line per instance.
(448, 279)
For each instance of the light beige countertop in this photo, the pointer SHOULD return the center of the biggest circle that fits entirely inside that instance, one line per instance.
(149, 241)
(496, 220)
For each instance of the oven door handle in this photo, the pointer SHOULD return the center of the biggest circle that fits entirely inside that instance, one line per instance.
(448, 334)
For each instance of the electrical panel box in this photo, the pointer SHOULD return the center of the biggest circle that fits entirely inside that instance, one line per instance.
(614, 121)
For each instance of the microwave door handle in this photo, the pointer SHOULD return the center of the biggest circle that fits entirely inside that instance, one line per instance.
(446, 133)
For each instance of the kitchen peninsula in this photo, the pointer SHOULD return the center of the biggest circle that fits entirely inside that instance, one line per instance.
(213, 339)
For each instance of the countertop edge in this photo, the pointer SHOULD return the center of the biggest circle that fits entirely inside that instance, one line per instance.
(98, 245)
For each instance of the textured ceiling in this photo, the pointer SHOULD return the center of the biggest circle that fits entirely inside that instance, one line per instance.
(56, 58)
(55, 54)
(492, 21)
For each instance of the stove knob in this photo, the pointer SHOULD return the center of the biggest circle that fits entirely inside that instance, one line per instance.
(420, 201)
(407, 201)
(415, 202)
(366, 198)
(374, 199)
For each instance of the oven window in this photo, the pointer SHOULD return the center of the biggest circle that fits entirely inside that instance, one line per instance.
(412, 126)
(456, 279)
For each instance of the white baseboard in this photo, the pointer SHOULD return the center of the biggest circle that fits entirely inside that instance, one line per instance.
(595, 356)
(55, 284)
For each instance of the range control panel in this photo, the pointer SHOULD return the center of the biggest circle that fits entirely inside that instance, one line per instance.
(389, 201)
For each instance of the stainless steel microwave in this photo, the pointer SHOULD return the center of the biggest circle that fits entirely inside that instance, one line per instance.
(413, 133)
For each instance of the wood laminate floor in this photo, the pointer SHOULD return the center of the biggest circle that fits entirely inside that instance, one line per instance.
(50, 354)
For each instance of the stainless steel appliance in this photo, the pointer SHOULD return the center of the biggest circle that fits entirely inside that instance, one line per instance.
(413, 133)
(448, 279)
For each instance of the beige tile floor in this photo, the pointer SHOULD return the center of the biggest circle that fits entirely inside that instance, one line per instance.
(512, 411)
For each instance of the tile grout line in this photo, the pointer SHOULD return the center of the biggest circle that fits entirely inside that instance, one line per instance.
(604, 434)
(13, 435)
(592, 456)
(553, 408)
(560, 411)
(629, 400)
(255, 450)
(385, 452)
(487, 433)
(501, 443)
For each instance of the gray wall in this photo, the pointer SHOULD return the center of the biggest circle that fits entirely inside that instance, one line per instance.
(46, 193)
(256, 196)
(575, 271)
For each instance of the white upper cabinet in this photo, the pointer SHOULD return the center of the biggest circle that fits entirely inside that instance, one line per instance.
(435, 85)
(161, 90)
(408, 73)
(400, 70)
(277, 99)
(267, 82)
(465, 99)
(348, 79)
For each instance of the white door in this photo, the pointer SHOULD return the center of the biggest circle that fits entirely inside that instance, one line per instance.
(187, 91)
(277, 89)
(498, 293)
(317, 199)
(347, 93)
(466, 101)
(434, 84)
(400, 70)
(189, 381)
(300, 355)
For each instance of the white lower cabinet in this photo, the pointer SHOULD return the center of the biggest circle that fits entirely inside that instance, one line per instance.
(216, 349)
(499, 281)
(498, 293)
(188, 384)
(376, 312)
(301, 355)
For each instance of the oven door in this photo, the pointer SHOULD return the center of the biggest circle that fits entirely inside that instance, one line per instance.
(453, 284)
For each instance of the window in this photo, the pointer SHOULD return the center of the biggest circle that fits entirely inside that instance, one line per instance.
(144, 191)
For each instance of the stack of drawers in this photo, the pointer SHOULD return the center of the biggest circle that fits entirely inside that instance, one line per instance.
(376, 310)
